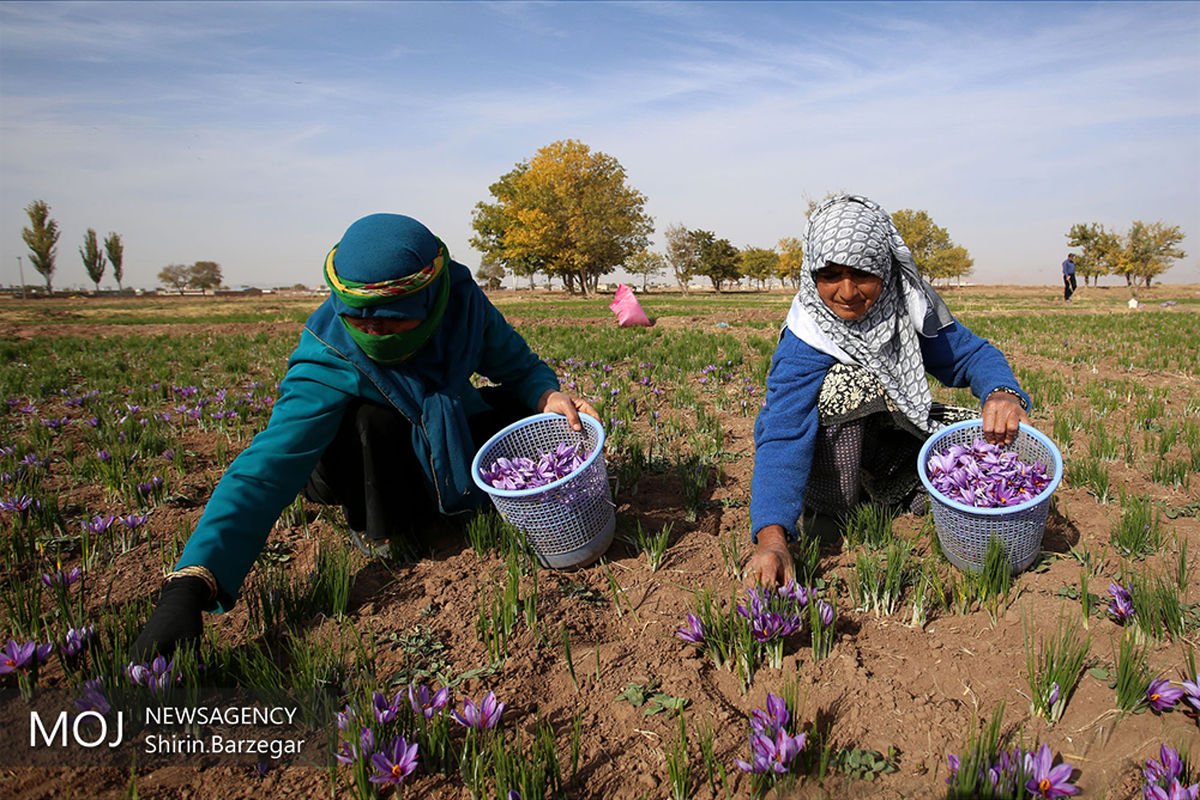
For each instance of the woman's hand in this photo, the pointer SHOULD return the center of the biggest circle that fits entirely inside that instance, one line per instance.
(1002, 416)
(568, 405)
(772, 563)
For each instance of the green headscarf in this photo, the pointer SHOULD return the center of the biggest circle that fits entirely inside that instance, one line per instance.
(390, 349)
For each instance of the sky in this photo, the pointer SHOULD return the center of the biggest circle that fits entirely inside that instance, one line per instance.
(253, 133)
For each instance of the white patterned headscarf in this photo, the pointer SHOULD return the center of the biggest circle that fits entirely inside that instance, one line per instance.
(855, 232)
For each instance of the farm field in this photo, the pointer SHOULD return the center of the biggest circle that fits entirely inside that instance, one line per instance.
(132, 409)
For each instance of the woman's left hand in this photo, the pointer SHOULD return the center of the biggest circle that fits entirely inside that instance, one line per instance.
(568, 405)
(1002, 416)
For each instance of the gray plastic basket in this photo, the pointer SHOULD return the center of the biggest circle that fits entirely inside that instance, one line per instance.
(569, 522)
(965, 531)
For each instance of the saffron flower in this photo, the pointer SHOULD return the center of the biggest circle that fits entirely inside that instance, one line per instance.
(18, 657)
(1120, 606)
(154, 675)
(694, 632)
(425, 705)
(99, 524)
(1161, 696)
(134, 521)
(394, 764)
(1168, 767)
(520, 473)
(1173, 791)
(826, 612)
(385, 712)
(349, 753)
(1191, 693)
(1048, 781)
(93, 698)
(985, 476)
(772, 753)
(481, 717)
(62, 577)
(773, 719)
(77, 640)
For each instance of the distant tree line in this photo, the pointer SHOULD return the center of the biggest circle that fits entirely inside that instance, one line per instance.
(42, 237)
(1140, 254)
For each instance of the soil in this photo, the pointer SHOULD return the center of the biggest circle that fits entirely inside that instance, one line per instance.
(921, 690)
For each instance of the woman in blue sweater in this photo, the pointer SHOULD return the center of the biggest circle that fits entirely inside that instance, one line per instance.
(376, 413)
(848, 402)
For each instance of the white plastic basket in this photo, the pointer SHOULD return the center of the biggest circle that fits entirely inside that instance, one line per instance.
(569, 522)
(965, 531)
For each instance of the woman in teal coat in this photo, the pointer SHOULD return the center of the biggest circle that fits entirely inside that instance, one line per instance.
(376, 413)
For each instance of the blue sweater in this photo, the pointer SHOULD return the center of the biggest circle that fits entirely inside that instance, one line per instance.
(318, 386)
(785, 432)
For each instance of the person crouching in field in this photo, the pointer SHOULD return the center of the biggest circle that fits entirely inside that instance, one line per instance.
(848, 405)
(376, 413)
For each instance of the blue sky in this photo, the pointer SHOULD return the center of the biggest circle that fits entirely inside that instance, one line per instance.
(253, 134)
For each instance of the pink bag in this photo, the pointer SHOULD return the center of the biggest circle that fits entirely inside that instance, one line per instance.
(628, 309)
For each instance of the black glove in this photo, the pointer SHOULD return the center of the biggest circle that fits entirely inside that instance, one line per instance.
(175, 621)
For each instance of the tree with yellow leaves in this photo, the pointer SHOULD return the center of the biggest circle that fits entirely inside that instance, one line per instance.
(568, 212)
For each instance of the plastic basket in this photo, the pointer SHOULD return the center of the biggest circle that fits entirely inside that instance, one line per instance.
(965, 531)
(569, 522)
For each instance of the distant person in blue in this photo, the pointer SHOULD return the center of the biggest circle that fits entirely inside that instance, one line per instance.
(376, 413)
(1069, 285)
(848, 404)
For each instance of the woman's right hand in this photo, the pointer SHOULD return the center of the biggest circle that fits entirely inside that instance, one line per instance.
(772, 563)
(175, 621)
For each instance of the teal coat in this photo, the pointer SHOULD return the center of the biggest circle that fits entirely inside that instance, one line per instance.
(320, 382)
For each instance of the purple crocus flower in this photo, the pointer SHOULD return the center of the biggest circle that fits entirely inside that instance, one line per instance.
(825, 611)
(1162, 696)
(61, 577)
(99, 524)
(1168, 767)
(134, 521)
(795, 592)
(481, 717)
(345, 717)
(1173, 791)
(349, 752)
(1120, 607)
(154, 675)
(772, 753)
(1053, 697)
(1191, 693)
(385, 712)
(93, 698)
(1046, 780)
(694, 632)
(425, 705)
(773, 719)
(17, 656)
(394, 764)
(77, 639)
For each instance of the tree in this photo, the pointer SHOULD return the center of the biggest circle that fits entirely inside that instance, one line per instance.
(93, 258)
(1141, 254)
(42, 239)
(791, 260)
(717, 259)
(1099, 251)
(1149, 251)
(116, 256)
(681, 254)
(175, 276)
(935, 254)
(204, 275)
(645, 263)
(490, 274)
(759, 263)
(566, 211)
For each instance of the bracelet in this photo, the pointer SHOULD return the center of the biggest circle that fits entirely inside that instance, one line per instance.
(1014, 393)
(196, 571)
